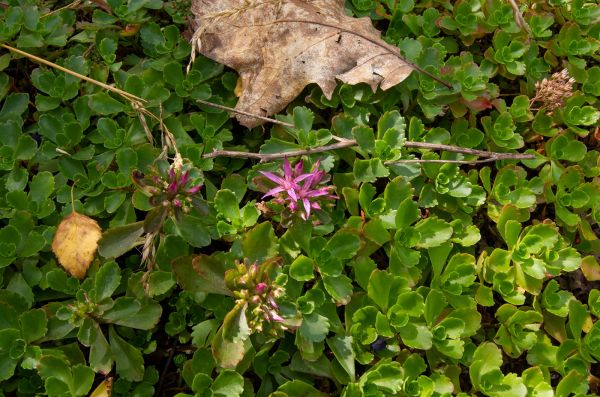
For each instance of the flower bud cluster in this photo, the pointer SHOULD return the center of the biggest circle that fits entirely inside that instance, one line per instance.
(252, 286)
(169, 185)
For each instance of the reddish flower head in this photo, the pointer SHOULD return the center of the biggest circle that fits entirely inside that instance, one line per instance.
(299, 191)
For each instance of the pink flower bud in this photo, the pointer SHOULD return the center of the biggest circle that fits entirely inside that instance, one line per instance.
(177, 203)
(260, 288)
(194, 189)
(184, 178)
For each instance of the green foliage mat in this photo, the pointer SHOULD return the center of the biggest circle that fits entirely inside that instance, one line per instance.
(418, 272)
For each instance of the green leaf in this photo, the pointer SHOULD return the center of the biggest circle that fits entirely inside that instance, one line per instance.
(314, 327)
(340, 288)
(303, 118)
(228, 353)
(130, 363)
(384, 287)
(193, 230)
(104, 104)
(201, 273)
(226, 203)
(33, 325)
(118, 240)
(407, 213)
(341, 346)
(364, 137)
(343, 245)
(297, 388)
(41, 186)
(433, 232)
(391, 123)
(107, 280)
(260, 243)
(302, 269)
(160, 283)
(565, 148)
(130, 313)
(369, 170)
(235, 324)
(228, 383)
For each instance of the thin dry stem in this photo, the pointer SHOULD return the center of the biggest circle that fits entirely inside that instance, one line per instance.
(136, 102)
(229, 109)
(489, 156)
(71, 5)
(124, 94)
(346, 143)
(520, 21)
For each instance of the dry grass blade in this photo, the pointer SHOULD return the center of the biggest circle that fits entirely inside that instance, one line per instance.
(137, 103)
(124, 94)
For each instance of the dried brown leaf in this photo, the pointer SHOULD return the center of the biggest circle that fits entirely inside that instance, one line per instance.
(75, 243)
(280, 46)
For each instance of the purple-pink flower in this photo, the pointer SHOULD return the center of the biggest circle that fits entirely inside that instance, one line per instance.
(299, 191)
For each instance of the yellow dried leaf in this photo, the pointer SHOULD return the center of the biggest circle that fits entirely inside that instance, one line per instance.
(75, 243)
(104, 389)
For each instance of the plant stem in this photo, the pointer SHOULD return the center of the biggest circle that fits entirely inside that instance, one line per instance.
(343, 143)
(227, 108)
(489, 156)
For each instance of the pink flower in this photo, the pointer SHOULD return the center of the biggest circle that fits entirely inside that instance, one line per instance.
(296, 188)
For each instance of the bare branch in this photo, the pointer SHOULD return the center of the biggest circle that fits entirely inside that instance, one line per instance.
(263, 157)
(343, 143)
(346, 143)
(480, 161)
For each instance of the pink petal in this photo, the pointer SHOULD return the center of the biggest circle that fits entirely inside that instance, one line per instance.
(302, 177)
(299, 167)
(287, 169)
(273, 191)
(306, 207)
(275, 178)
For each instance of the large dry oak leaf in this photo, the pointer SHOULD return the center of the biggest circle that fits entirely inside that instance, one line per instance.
(280, 46)
(75, 243)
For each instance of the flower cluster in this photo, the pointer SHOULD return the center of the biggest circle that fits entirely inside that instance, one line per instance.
(554, 91)
(299, 191)
(169, 185)
(251, 285)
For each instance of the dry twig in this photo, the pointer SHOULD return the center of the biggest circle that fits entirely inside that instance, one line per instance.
(343, 143)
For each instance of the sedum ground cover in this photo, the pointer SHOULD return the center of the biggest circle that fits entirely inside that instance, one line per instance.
(375, 270)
